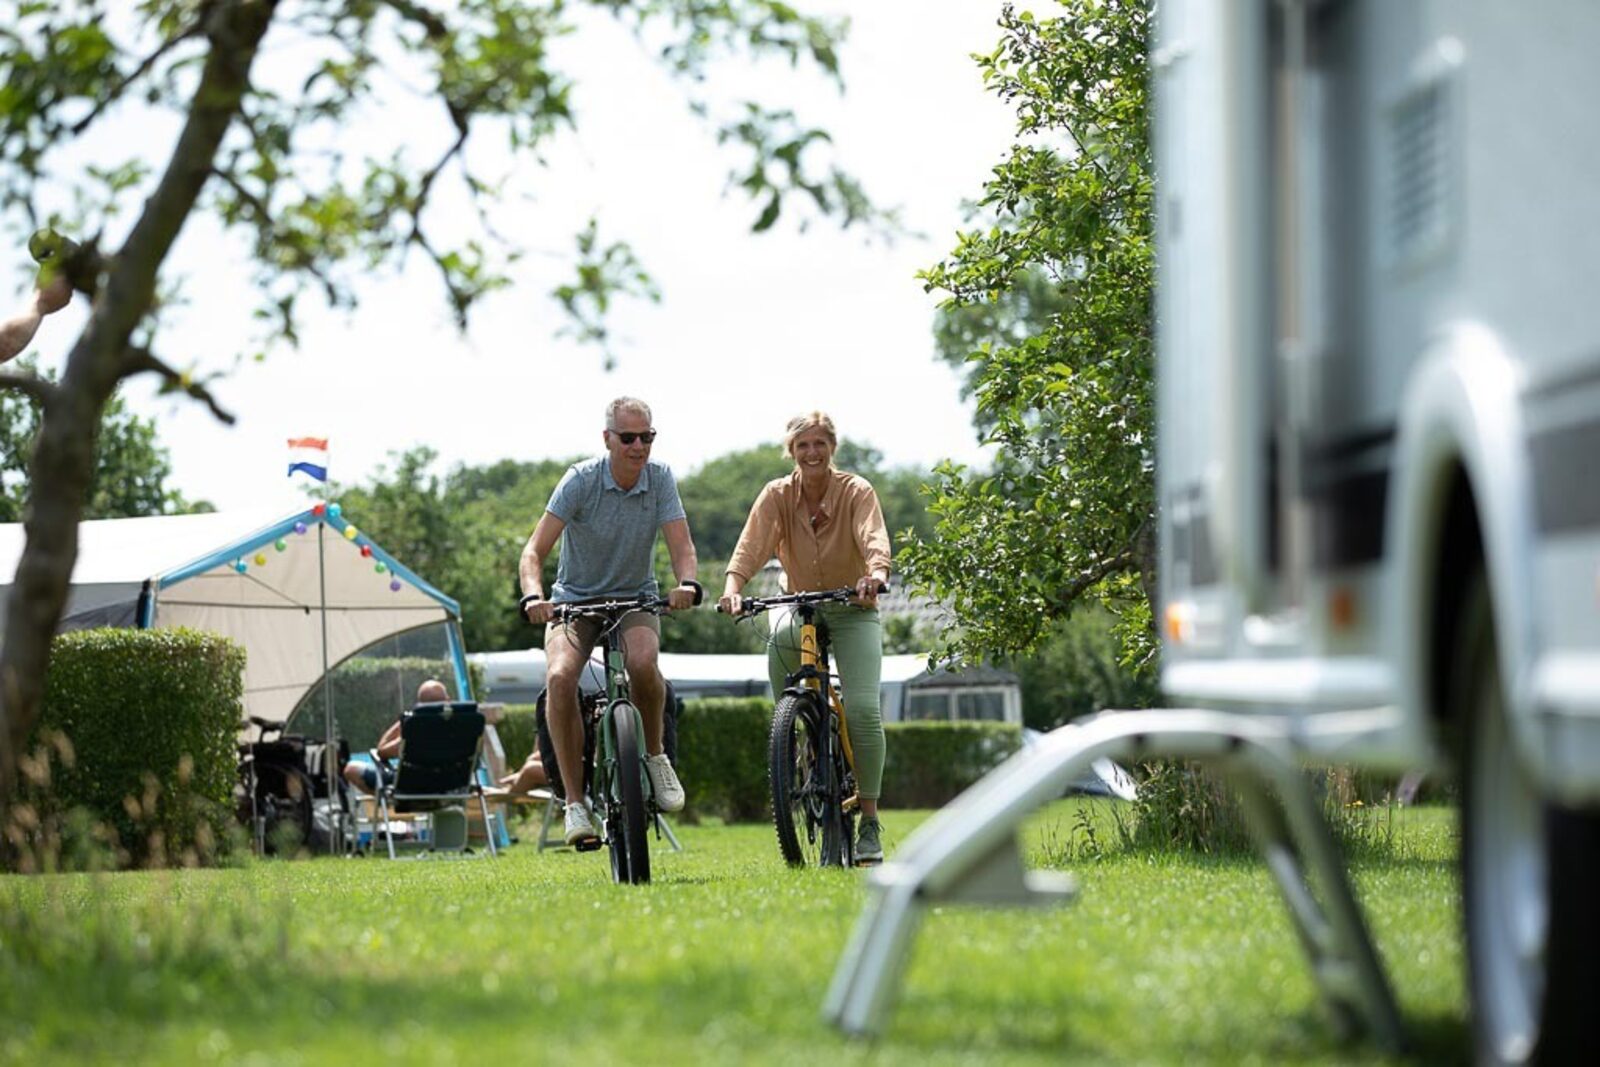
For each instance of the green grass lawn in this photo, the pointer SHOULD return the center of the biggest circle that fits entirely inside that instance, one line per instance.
(723, 959)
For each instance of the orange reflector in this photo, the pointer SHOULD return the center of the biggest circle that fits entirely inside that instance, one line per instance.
(1342, 608)
(1179, 627)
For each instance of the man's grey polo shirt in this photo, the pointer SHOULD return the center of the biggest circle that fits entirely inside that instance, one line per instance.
(610, 535)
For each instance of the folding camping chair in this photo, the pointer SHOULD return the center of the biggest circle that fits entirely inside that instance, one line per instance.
(440, 745)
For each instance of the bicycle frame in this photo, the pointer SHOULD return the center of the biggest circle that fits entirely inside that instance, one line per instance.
(814, 676)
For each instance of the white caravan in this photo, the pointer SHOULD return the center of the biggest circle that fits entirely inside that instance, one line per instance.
(1379, 433)
(1378, 235)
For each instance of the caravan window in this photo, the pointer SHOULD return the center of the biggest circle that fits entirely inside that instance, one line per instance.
(926, 705)
(966, 704)
(985, 705)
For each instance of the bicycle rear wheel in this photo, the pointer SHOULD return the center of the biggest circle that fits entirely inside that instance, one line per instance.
(630, 841)
(798, 774)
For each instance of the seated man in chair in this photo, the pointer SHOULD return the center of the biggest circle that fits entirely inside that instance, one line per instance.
(367, 775)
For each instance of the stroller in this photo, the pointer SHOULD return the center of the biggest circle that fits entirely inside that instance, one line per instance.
(282, 794)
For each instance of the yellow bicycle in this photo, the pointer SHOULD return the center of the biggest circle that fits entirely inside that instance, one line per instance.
(809, 763)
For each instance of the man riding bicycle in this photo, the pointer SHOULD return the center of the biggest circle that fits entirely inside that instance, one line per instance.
(605, 512)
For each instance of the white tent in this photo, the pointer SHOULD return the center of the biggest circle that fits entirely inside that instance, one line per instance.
(256, 580)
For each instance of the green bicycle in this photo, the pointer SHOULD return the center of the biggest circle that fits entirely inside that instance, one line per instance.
(617, 789)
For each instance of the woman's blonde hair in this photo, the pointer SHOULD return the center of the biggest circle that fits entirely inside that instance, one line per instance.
(800, 424)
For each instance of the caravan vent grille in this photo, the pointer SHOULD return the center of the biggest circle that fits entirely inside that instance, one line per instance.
(1420, 176)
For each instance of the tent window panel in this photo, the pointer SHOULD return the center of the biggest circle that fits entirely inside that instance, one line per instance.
(928, 706)
(982, 705)
(372, 687)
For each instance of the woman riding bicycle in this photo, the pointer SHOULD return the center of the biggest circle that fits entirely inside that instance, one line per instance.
(826, 528)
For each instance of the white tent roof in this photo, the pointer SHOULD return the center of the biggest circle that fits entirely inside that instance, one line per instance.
(271, 607)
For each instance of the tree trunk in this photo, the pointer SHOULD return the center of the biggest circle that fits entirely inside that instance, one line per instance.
(1147, 558)
(64, 456)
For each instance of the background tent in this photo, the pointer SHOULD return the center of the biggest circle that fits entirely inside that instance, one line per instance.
(226, 573)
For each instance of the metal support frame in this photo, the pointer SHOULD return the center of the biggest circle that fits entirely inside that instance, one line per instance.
(387, 793)
(665, 828)
(968, 853)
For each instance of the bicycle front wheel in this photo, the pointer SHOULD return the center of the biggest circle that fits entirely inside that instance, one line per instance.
(629, 830)
(798, 773)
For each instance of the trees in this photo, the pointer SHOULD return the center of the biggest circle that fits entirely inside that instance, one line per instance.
(718, 495)
(263, 144)
(1062, 377)
(131, 467)
(464, 531)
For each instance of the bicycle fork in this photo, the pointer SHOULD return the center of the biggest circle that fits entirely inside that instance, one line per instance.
(814, 674)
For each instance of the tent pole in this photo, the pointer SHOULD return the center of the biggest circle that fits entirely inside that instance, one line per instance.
(329, 753)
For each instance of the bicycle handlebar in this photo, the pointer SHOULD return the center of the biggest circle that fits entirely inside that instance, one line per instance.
(756, 605)
(609, 610)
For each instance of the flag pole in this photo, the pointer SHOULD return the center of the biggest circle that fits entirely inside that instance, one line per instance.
(330, 752)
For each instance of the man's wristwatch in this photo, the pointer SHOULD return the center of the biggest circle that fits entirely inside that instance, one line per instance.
(699, 590)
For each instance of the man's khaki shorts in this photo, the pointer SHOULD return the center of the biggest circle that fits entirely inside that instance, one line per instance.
(585, 633)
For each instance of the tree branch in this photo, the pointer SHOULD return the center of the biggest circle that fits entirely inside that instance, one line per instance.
(1090, 576)
(139, 361)
(32, 385)
(425, 186)
(115, 94)
(431, 24)
(263, 218)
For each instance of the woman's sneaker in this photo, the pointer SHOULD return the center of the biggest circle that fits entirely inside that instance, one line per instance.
(664, 780)
(869, 843)
(580, 831)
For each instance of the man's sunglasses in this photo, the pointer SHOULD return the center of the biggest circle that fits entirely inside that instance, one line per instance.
(628, 437)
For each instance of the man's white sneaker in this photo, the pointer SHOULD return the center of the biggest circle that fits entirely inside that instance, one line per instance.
(664, 780)
(579, 828)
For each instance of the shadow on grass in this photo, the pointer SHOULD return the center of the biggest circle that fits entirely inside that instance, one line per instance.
(143, 1012)
(1437, 1038)
(265, 995)
(980, 1021)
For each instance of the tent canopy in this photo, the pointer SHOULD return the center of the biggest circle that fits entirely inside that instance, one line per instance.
(182, 570)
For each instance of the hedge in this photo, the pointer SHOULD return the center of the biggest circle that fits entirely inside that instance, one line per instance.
(722, 750)
(926, 764)
(150, 720)
(370, 693)
(722, 756)
(518, 734)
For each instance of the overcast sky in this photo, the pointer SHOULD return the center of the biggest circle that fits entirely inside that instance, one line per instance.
(750, 329)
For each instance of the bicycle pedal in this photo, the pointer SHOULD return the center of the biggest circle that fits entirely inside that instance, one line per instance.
(587, 844)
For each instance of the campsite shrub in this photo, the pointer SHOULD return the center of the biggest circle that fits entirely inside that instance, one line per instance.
(927, 763)
(369, 693)
(1184, 806)
(134, 748)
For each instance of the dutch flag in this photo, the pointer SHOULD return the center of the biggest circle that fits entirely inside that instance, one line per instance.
(309, 454)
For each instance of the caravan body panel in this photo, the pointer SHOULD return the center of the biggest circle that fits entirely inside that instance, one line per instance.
(1390, 303)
